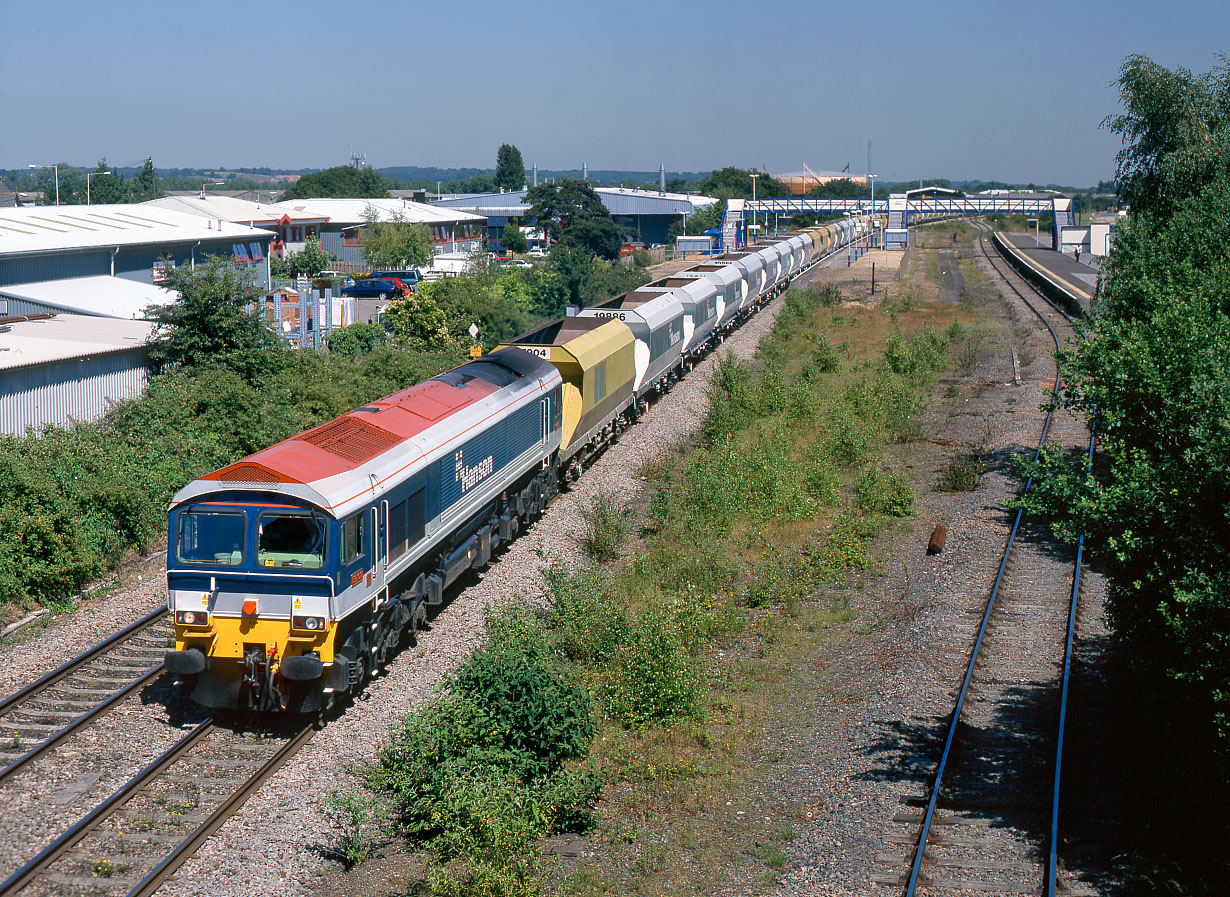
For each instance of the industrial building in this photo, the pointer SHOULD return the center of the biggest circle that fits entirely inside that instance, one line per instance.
(110, 260)
(799, 182)
(342, 235)
(291, 230)
(57, 369)
(649, 213)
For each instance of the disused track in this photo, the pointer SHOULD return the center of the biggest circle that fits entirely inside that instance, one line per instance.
(991, 810)
(136, 839)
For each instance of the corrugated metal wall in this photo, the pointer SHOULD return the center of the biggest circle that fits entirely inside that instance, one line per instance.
(54, 267)
(79, 389)
(131, 262)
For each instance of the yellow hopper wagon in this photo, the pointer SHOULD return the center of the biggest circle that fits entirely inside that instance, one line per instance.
(596, 358)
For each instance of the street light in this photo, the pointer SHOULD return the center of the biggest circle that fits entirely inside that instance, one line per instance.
(56, 166)
(754, 176)
(88, 175)
(871, 179)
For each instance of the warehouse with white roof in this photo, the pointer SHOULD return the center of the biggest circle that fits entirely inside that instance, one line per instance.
(57, 369)
(342, 236)
(109, 260)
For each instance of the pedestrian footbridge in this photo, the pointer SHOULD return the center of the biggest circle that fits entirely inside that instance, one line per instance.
(900, 211)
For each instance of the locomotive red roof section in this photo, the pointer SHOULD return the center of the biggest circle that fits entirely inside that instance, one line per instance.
(349, 441)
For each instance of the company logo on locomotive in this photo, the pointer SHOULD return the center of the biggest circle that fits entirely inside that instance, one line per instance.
(472, 476)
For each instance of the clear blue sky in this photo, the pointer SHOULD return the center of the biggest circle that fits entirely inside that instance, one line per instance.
(970, 89)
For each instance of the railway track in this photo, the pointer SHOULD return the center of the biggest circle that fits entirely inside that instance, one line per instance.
(134, 840)
(988, 822)
(49, 712)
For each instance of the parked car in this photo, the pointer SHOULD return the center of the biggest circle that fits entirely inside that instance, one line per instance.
(537, 252)
(516, 263)
(375, 288)
(411, 277)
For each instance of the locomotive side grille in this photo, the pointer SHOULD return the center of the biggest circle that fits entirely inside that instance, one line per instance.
(247, 473)
(351, 438)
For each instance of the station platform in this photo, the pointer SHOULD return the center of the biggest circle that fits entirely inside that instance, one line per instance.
(1079, 277)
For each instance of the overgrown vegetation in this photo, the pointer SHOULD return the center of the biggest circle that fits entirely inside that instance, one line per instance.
(788, 445)
(1153, 375)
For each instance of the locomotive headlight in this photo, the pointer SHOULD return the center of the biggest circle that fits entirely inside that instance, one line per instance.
(192, 617)
(311, 624)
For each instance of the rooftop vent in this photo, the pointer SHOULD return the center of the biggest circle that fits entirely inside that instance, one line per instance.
(351, 438)
(247, 473)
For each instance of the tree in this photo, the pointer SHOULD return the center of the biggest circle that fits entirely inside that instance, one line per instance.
(599, 236)
(208, 320)
(566, 200)
(513, 239)
(395, 243)
(575, 268)
(309, 261)
(1153, 375)
(340, 181)
(142, 186)
(839, 189)
(509, 168)
(107, 186)
(1174, 131)
(736, 183)
(417, 318)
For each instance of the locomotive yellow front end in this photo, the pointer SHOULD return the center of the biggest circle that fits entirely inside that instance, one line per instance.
(250, 589)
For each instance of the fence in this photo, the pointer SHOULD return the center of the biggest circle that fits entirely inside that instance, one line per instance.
(306, 317)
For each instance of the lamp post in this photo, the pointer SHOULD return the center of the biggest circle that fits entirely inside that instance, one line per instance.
(754, 176)
(56, 166)
(88, 175)
(871, 179)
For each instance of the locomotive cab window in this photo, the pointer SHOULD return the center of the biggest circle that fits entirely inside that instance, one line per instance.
(291, 540)
(211, 537)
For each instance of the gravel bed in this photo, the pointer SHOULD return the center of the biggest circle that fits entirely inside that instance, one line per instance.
(279, 840)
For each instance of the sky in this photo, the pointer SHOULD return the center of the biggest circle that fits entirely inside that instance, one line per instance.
(969, 89)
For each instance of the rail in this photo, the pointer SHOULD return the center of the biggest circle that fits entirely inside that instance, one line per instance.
(929, 816)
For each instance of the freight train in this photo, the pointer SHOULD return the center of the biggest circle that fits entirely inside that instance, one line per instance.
(295, 573)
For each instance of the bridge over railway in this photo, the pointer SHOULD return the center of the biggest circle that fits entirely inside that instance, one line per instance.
(902, 210)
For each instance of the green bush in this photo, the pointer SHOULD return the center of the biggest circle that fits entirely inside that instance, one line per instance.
(608, 521)
(507, 716)
(916, 358)
(586, 621)
(652, 679)
(823, 360)
(884, 492)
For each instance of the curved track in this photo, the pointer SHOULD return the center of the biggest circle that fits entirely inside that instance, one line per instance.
(995, 778)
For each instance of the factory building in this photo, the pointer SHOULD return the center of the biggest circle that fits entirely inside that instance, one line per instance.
(291, 230)
(342, 233)
(57, 369)
(110, 260)
(648, 213)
